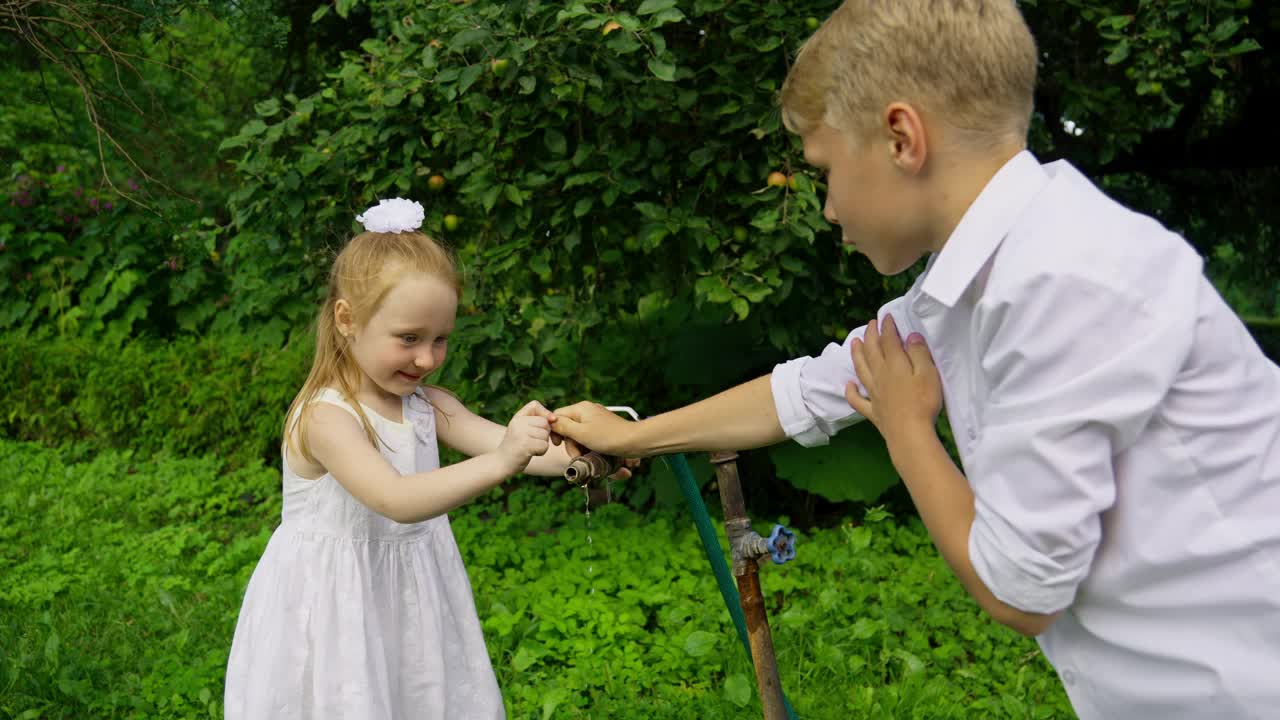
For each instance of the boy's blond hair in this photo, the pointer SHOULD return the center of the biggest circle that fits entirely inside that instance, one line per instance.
(969, 63)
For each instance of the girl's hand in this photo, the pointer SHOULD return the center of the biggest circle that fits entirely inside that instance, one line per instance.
(528, 434)
(904, 390)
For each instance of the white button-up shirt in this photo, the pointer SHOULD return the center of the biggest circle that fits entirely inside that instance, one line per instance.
(1120, 430)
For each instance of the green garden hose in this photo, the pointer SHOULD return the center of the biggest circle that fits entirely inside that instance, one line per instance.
(711, 545)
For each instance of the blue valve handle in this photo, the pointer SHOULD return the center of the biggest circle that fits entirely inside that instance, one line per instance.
(782, 544)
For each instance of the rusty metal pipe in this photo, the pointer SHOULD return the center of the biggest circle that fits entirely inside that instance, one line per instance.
(592, 466)
(746, 570)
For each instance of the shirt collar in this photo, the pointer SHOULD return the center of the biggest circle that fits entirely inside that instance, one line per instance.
(983, 227)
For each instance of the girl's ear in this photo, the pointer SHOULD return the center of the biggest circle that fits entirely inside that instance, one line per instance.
(343, 319)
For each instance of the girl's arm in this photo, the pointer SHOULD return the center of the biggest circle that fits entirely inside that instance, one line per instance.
(472, 435)
(338, 443)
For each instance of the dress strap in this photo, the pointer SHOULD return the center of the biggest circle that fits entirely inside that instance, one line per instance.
(333, 397)
(420, 413)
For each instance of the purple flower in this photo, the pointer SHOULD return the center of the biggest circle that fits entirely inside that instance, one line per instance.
(109, 206)
(172, 263)
(132, 185)
(78, 192)
(62, 168)
(93, 203)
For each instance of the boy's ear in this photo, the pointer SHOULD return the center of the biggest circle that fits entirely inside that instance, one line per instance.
(908, 146)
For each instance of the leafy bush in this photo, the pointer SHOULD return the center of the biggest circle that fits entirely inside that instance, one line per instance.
(199, 396)
(226, 396)
(609, 185)
(124, 577)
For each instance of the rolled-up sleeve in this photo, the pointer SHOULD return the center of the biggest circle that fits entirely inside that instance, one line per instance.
(1074, 370)
(808, 392)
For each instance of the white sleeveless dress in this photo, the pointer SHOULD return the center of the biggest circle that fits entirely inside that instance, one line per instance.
(352, 615)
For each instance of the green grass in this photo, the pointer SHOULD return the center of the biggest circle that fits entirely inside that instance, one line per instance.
(123, 575)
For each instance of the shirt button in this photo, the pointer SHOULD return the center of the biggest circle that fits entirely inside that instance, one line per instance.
(1068, 677)
(973, 434)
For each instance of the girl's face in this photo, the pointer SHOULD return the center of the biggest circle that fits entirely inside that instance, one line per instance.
(405, 339)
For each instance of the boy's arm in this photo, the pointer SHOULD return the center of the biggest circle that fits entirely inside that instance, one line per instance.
(802, 399)
(903, 396)
(942, 497)
(739, 418)
(1074, 370)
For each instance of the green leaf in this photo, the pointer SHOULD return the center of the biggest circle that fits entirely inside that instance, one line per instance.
(555, 142)
(552, 701)
(700, 642)
(467, 38)
(1118, 53)
(573, 11)
(737, 689)
(769, 44)
(526, 655)
(855, 466)
(666, 17)
(714, 289)
(663, 70)
(522, 356)
(1226, 29)
(651, 304)
(267, 107)
(343, 7)
(649, 7)
(1244, 46)
(253, 127)
(468, 77)
(513, 194)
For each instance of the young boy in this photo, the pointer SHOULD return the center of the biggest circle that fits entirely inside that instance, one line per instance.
(1119, 427)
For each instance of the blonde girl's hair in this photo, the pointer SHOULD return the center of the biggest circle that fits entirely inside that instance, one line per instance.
(366, 269)
(972, 63)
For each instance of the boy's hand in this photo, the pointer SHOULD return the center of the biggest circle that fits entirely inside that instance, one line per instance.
(904, 390)
(572, 425)
(528, 434)
(589, 426)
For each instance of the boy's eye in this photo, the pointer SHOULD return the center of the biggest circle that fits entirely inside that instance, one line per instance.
(409, 339)
(441, 340)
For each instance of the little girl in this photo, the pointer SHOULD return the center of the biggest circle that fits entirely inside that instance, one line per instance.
(360, 607)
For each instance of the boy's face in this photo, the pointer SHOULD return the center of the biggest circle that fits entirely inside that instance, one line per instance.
(407, 337)
(879, 206)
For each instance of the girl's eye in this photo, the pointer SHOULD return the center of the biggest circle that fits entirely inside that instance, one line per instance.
(409, 339)
(442, 340)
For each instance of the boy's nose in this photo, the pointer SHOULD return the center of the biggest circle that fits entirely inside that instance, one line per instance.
(424, 361)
